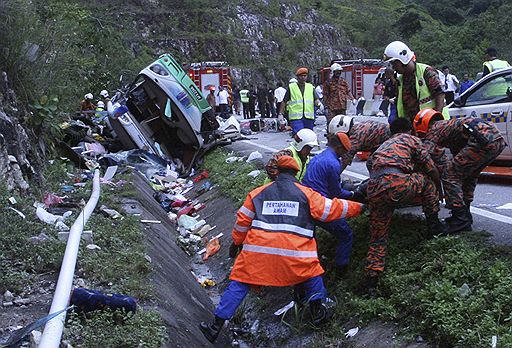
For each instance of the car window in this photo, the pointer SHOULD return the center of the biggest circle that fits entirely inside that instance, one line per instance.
(492, 92)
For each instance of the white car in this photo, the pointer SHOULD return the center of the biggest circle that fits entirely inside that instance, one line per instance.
(490, 99)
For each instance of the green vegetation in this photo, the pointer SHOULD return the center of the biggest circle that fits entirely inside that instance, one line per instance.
(454, 291)
(232, 177)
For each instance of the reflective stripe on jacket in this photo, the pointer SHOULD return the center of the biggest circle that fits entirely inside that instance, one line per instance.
(299, 105)
(275, 226)
(425, 100)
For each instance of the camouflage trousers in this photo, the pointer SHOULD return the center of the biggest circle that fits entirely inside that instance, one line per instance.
(461, 174)
(387, 193)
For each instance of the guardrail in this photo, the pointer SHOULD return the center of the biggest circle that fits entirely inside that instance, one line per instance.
(52, 333)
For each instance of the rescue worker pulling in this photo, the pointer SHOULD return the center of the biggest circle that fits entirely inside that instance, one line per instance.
(275, 232)
(474, 144)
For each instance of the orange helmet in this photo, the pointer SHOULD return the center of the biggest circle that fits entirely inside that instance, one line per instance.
(423, 119)
(287, 162)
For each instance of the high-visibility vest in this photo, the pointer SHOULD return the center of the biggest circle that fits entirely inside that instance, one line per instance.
(302, 166)
(299, 105)
(275, 225)
(99, 113)
(244, 96)
(496, 64)
(423, 93)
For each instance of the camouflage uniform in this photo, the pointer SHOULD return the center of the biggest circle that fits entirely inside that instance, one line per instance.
(336, 94)
(406, 156)
(365, 136)
(469, 156)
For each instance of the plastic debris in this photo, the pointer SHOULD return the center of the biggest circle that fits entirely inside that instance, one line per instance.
(151, 221)
(212, 248)
(109, 173)
(352, 332)
(254, 173)
(50, 200)
(114, 214)
(204, 230)
(12, 200)
(254, 156)
(49, 218)
(18, 212)
(203, 175)
(233, 159)
(93, 247)
(494, 341)
(464, 290)
(285, 309)
(186, 221)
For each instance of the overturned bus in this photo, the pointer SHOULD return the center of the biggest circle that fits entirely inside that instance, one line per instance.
(167, 114)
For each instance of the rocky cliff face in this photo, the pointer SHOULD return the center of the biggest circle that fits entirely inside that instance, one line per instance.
(18, 160)
(262, 40)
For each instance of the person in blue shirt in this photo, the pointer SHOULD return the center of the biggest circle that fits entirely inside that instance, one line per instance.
(323, 175)
(466, 83)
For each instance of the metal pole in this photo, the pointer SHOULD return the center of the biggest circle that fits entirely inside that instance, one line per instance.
(53, 329)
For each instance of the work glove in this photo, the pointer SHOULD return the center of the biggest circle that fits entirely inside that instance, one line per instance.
(234, 250)
(354, 102)
(321, 108)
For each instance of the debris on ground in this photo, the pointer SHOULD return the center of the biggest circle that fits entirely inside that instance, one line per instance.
(112, 213)
(86, 300)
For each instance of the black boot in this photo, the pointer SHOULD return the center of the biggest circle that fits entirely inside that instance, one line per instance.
(318, 312)
(368, 287)
(459, 221)
(434, 225)
(211, 331)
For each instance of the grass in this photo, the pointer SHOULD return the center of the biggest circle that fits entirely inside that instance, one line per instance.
(424, 290)
(120, 266)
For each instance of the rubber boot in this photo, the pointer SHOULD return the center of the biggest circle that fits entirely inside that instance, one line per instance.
(459, 221)
(318, 312)
(212, 331)
(434, 225)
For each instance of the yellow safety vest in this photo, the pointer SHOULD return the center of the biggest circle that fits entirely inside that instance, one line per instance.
(302, 171)
(422, 91)
(299, 105)
(244, 96)
(496, 64)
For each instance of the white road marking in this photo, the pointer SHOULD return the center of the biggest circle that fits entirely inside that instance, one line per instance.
(477, 211)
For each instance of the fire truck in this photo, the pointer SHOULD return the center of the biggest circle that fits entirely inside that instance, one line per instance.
(359, 73)
(211, 74)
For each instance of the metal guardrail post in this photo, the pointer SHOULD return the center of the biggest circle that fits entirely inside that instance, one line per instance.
(52, 333)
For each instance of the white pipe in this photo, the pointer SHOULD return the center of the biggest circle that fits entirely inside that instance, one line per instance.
(52, 333)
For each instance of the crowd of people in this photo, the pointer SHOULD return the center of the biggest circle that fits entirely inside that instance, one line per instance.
(421, 157)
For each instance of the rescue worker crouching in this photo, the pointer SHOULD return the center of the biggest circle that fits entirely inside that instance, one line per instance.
(275, 231)
(474, 144)
(300, 148)
(324, 176)
(402, 174)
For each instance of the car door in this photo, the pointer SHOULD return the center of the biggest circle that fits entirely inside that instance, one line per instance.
(489, 101)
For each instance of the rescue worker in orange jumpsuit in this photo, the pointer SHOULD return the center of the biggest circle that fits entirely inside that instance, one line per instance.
(402, 173)
(474, 144)
(275, 232)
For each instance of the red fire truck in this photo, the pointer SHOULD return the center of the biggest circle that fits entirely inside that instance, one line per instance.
(359, 73)
(211, 74)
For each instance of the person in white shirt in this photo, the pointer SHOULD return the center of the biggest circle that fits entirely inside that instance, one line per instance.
(279, 94)
(451, 84)
(223, 102)
(320, 92)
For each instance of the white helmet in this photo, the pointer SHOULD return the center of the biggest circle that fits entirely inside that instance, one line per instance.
(305, 137)
(397, 50)
(104, 93)
(100, 104)
(340, 123)
(336, 67)
(293, 80)
(88, 96)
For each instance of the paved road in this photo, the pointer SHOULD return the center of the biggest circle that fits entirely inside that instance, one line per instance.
(490, 195)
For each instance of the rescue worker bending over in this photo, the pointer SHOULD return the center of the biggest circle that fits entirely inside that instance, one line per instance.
(402, 174)
(323, 176)
(364, 136)
(274, 230)
(301, 147)
(474, 144)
